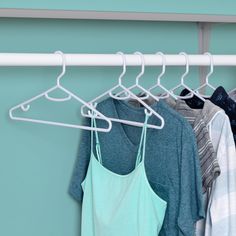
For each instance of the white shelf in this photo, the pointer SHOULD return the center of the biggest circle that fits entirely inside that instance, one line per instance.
(105, 15)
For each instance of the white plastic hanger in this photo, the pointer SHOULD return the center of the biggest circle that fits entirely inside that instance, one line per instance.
(182, 83)
(132, 95)
(207, 84)
(158, 83)
(145, 93)
(232, 91)
(25, 106)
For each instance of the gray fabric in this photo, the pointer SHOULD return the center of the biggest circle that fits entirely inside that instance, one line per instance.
(171, 162)
(233, 95)
(198, 119)
(208, 111)
(209, 164)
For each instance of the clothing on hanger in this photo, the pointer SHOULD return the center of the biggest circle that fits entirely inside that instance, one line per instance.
(221, 211)
(124, 210)
(212, 116)
(172, 149)
(221, 207)
(209, 164)
(221, 99)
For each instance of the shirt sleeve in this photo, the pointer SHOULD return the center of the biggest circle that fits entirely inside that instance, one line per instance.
(221, 211)
(81, 164)
(191, 207)
(210, 167)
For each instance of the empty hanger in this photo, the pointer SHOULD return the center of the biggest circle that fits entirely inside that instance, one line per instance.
(145, 94)
(158, 83)
(131, 95)
(207, 84)
(25, 106)
(182, 83)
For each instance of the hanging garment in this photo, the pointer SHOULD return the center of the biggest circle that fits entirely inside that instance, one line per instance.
(221, 207)
(116, 204)
(209, 164)
(171, 161)
(221, 99)
(199, 119)
(221, 211)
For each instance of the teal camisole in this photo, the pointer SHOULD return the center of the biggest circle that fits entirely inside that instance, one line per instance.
(115, 205)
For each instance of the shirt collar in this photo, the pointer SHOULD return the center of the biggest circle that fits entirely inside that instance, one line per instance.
(220, 96)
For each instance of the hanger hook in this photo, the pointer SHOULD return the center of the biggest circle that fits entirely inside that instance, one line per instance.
(211, 66)
(142, 66)
(187, 66)
(63, 66)
(163, 67)
(124, 67)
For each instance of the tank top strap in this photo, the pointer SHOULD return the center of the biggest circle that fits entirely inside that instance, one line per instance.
(97, 145)
(142, 144)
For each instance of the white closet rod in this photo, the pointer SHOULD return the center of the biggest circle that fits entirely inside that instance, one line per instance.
(51, 59)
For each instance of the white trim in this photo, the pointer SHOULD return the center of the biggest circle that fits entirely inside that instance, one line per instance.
(115, 15)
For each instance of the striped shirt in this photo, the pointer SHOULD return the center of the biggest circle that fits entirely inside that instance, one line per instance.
(209, 164)
(221, 209)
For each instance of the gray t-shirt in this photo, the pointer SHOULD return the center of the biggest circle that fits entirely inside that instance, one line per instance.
(171, 161)
(209, 164)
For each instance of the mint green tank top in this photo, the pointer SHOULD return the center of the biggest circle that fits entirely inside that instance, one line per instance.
(120, 205)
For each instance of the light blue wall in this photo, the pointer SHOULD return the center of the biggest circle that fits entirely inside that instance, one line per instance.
(221, 42)
(36, 161)
(181, 6)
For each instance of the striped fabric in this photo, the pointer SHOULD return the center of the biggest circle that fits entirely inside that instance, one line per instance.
(209, 164)
(220, 199)
(221, 210)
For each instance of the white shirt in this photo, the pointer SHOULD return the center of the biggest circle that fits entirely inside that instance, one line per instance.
(221, 210)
